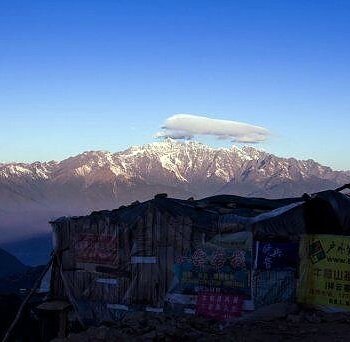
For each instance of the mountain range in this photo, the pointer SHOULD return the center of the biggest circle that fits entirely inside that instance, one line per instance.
(9, 264)
(32, 194)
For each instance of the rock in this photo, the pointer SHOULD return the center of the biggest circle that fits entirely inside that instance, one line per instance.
(295, 319)
(271, 312)
(101, 333)
(277, 322)
(149, 336)
(336, 317)
(312, 318)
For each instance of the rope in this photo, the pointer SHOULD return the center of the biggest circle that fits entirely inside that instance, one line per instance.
(71, 298)
(25, 301)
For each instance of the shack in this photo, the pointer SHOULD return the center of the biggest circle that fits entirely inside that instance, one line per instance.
(219, 257)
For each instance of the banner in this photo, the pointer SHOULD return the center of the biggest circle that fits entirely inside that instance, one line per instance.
(214, 269)
(96, 249)
(276, 255)
(325, 270)
(220, 307)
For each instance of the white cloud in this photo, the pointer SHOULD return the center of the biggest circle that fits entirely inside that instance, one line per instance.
(187, 126)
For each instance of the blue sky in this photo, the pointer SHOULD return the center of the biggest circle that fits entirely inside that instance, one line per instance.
(97, 74)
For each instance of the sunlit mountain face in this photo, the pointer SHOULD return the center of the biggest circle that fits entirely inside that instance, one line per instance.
(32, 194)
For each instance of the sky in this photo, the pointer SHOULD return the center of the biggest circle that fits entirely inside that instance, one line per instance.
(106, 74)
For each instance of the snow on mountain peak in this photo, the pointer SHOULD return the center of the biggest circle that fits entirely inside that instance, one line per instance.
(96, 180)
(170, 160)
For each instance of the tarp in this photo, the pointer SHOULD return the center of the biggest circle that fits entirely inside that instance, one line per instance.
(168, 251)
(325, 271)
(270, 287)
(274, 275)
(286, 223)
(328, 212)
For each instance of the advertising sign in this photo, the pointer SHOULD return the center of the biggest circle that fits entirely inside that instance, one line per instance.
(220, 307)
(97, 249)
(276, 255)
(213, 269)
(325, 270)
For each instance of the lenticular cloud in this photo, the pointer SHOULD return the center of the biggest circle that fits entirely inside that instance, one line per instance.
(187, 126)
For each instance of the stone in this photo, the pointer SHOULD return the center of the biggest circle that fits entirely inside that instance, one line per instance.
(271, 312)
(292, 318)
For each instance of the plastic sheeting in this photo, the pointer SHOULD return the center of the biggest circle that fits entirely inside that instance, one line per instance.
(274, 275)
(168, 254)
(286, 223)
(328, 212)
(113, 262)
(274, 286)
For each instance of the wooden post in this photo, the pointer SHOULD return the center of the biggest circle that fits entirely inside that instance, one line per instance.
(53, 319)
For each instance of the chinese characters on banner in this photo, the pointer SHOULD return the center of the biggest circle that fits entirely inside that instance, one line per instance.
(325, 270)
(275, 255)
(215, 269)
(218, 306)
(97, 249)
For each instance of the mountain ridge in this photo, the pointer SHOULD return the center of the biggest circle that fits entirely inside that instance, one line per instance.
(43, 169)
(32, 194)
(9, 264)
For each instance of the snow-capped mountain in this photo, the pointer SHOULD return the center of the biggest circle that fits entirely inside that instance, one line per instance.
(31, 194)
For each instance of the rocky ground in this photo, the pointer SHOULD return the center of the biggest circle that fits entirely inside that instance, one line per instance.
(283, 324)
